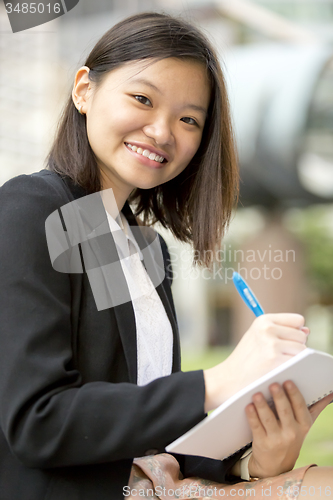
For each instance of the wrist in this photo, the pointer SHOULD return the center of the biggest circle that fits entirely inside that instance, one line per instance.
(210, 389)
(253, 474)
(220, 385)
(246, 471)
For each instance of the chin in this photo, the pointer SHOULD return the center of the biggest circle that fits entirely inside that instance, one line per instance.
(147, 185)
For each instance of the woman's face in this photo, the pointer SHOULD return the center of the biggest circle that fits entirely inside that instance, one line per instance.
(140, 115)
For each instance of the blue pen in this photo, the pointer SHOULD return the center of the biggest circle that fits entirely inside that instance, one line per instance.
(247, 295)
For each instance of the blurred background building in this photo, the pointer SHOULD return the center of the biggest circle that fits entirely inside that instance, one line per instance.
(277, 58)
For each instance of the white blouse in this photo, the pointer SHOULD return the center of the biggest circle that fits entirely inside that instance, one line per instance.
(153, 329)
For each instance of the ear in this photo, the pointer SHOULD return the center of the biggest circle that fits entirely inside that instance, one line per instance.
(82, 89)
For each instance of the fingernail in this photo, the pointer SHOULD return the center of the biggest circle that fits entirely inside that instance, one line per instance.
(306, 330)
(289, 385)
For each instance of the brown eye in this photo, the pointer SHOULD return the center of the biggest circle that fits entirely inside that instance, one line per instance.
(143, 100)
(189, 120)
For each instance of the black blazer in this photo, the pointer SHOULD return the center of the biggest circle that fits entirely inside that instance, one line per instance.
(71, 415)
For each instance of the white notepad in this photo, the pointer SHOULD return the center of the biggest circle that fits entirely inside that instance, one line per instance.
(226, 429)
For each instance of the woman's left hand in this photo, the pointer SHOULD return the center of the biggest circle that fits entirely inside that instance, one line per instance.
(278, 441)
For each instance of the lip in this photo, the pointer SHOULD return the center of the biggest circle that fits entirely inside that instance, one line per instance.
(150, 148)
(144, 160)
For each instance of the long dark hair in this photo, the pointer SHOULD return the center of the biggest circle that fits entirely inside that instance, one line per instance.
(197, 204)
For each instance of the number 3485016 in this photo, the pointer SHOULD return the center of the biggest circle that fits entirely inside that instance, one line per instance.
(33, 8)
(311, 491)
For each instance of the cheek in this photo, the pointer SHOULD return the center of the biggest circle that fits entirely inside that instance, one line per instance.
(189, 149)
(98, 127)
(186, 154)
(108, 125)
(104, 137)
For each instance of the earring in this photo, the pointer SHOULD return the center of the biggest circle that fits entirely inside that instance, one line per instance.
(80, 108)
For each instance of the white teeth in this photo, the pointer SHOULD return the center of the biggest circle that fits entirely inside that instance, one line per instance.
(146, 153)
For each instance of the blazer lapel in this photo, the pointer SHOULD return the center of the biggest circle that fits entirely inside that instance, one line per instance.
(116, 289)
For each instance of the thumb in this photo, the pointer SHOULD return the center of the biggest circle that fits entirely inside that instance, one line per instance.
(318, 407)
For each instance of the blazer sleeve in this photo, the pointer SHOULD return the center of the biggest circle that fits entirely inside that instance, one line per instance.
(48, 416)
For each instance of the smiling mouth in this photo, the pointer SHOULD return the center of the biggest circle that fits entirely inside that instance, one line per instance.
(146, 153)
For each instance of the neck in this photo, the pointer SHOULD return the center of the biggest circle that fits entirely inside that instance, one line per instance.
(114, 197)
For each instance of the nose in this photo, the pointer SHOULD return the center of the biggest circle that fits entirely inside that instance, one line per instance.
(160, 130)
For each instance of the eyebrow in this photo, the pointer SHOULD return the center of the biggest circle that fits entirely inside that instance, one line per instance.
(152, 86)
(146, 82)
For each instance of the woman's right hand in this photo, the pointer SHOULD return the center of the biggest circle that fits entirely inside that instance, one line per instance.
(271, 340)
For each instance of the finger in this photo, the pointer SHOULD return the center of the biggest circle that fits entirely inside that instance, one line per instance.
(318, 407)
(290, 347)
(298, 404)
(283, 406)
(257, 428)
(287, 319)
(265, 414)
(294, 334)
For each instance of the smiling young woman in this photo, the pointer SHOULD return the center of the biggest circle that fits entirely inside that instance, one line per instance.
(136, 49)
(90, 396)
